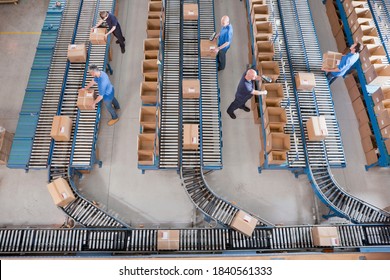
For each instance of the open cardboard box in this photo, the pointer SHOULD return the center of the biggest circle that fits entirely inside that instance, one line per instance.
(274, 93)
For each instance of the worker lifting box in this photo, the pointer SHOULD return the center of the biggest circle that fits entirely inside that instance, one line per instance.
(85, 99)
(77, 53)
(61, 128)
(316, 128)
(97, 36)
(61, 192)
(331, 60)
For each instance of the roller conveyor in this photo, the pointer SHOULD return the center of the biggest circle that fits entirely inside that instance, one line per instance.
(144, 241)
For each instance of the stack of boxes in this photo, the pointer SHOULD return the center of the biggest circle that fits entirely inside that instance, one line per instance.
(274, 116)
(147, 144)
(381, 99)
(6, 139)
(336, 25)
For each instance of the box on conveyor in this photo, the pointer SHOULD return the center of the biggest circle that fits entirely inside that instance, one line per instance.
(325, 236)
(354, 93)
(190, 136)
(148, 115)
(278, 142)
(97, 36)
(275, 117)
(168, 240)
(61, 128)
(305, 81)
(371, 157)
(277, 157)
(274, 93)
(207, 48)
(153, 28)
(349, 81)
(77, 53)
(244, 223)
(269, 69)
(85, 99)
(149, 92)
(316, 128)
(358, 105)
(150, 69)
(190, 11)
(61, 192)
(191, 88)
(383, 119)
(264, 50)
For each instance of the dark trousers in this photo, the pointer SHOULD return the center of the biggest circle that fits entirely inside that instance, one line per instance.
(221, 59)
(331, 78)
(238, 103)
(118, 34)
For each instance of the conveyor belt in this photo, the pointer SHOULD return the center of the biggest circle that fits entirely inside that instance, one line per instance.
(57, 77)
(194, 241)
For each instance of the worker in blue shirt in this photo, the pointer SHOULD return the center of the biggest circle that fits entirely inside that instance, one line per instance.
(245, 91)
(224, 37)
(346, 63)
(113, 26)
(106, 92)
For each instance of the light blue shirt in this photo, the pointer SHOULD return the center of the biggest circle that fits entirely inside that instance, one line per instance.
(225, 35)
(346, 63)
(105, 87)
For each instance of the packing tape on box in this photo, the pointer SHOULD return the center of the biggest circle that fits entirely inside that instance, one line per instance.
(305, 82)
(165, 235)
(247, 218)
(191, 90)
(95, 30)
(191, 13)
(334, 241)
(62, 129)
(64, 195)
(73, 46)
(89, 94)
(194, 140)
(212, 48)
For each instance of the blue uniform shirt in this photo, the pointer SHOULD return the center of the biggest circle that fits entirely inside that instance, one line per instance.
(244, 88)
(111, 21)
(226, 35)
(346, 62)
(105, 87)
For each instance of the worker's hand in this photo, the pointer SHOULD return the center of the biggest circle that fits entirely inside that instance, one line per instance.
(105, 37)
(216, 50)
(92, 29)
(263, 92)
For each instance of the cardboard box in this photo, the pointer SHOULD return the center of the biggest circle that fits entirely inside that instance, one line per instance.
(368, 143)
(151, 48)
(85, 99)
(385, 132)
(383, 119)
(382, 106)
(153, 28)
(149, 92)
(155, 6)
(325, 236)
(190, 136)
(364, 30)
(349, 81)
(372, 54)
(263, 37)
(354, 93)
(378, 74)
(333, 18)
(261, 156)
(262, 27)
(146, 157)
(349, 5)
(277, 157)
(380, 94)
(259, 12)
(191, 88)
(359, 13)
(365, 130)
(269, 69)
(265, 51)
(274, 94)
(362, 117)
(371, 157)
(256, 2)
(190, 11)
(387, 144)
(147, 142)
(316, 128)
(6, 139)
(278, 142)
(358, 105)
(331, 60)
(340, 41)
(244, 223)
(97, 36)
(305, 81)
(77, 53)
(168, 240)
(275, 117)
(148, 115)
(148, 128)
(150, 69)
(61, 192)
(207, 48)
(61, 128)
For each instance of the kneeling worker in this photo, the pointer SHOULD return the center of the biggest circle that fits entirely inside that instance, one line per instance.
(106, 92)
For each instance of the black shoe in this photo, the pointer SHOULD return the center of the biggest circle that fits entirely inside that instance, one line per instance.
(232, 115)
(246, 109)
(123, 50)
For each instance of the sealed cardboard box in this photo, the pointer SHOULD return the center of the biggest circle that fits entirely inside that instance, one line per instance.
(244, 223)
(358, 105)
(278, 142)
(190, 11)
(382, 106)
(191, 88)
(349, 81)
(148, 92)
(363, 13)
(153, 28)
(275, 117)
(365, 130)
(362, 117)
(77, 53)
(385, 132)
(354, 93)
(190, 136)
(305, 81)
(371, 157)
(316, 128)
(378, 74)
(380, 94)
(148, 115)
(97, 36)
(207, 48)
(384, 119)
(331, 60)
(368, 143)
(277, 157)
(168, 240)
(61, 192)
(325, 236)
(61, 128)
(85, 99)
(6, 139)
(269, 69)
(274, 93)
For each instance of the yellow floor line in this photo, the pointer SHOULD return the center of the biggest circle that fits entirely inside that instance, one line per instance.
(20, 33)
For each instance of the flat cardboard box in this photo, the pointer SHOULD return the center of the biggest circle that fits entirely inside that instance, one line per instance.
(207, 48)
(190, 11)
(368, 143)
(325, 236)
(77, 53)
(191, 88)
(385, 132)
(145, 157)
(61, 192)
(275, 117)
(244, 223)
(97, 36)
(365, 130)
(148, 115)
(362, 117)
(316, 128)
(153, 28)
(278, 142)
(349, 81)
(274, 93)
(269, 69)
(383, 119)
(149, 92)
(277, 157)
(371, 157)
(305, 81)
(354, 93)
(168, 240)
(61, 128)
(331, 60)
(358, 105)
(85, 99)
(378, 74)
(6, 139)
(190, 136)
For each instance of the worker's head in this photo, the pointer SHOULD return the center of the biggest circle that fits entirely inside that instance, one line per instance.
(225, 21)
(93, 70)
(251, 75)
(103, 15)
(356, 48)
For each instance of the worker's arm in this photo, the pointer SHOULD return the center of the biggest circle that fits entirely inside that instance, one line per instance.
(97, 100)
(111, 30)
(224, 45)
(217, 36)
(90, 84)
(259, 92)
(98, 24)
(336, 69)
